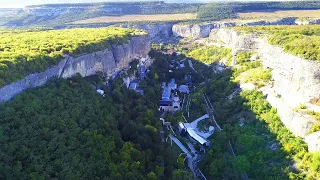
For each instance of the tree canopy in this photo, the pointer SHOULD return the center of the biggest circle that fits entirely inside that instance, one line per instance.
(23, 52)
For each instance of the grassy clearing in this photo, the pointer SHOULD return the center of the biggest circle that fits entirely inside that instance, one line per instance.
(138, 18)
(281, 14)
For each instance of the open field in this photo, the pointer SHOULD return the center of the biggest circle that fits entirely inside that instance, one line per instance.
(281, 14)
(135, 18)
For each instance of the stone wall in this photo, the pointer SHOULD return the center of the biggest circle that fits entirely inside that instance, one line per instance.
(109, 62)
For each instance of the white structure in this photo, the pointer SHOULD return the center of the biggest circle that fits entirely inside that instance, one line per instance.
(195, 133)
(101, 92)
(176, 103)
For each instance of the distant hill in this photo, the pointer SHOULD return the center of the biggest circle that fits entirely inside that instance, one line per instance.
(59, 14)
(53, 15)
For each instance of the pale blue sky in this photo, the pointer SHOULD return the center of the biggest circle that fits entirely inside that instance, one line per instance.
(22, 3)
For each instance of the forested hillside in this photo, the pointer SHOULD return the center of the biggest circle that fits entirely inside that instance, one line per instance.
(66, 130)
(303, 41)
(218, 11)
(24, 52)
(60, 14)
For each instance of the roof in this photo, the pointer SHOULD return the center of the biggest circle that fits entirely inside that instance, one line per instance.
(172, 84)
(166, 93)
(163, 84)
(165, 103)
(181, 125)
(195, 136)
(133, 85)
(184, 88)
(100, 91)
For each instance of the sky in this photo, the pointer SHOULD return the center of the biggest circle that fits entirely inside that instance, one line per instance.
(22, 3)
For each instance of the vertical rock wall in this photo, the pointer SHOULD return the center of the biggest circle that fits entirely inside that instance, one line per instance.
(295, 80)
(108, 61)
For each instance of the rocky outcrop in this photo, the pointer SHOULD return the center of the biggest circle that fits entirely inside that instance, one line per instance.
(298, 123)
(282, 21)
(307, 21)
(313, 141)
(295, 80)
(109, 62)
(197, 30)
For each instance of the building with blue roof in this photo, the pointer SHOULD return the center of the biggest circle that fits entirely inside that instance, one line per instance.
(166, 93)
(172, 85)
(184, 89)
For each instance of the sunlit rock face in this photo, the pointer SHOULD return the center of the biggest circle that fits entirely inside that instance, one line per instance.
(197, 31)
(108, 62)
(295, 80)
(307, 21)
(313, 141)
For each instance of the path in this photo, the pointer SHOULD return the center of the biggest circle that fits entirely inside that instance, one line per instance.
(179, 143)
(193, 150)
(210, 110)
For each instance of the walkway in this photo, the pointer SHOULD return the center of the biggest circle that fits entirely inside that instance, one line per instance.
(181, 146)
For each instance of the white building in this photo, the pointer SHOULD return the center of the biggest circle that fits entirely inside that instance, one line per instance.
(195, 133)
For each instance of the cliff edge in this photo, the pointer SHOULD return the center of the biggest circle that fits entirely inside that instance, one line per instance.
(108, 62)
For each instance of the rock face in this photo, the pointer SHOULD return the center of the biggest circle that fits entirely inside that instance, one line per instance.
(296, 80)
(313, 141)
(299, 124)
(196, 30)
(307, 21)
(109, 62)
(282, 21)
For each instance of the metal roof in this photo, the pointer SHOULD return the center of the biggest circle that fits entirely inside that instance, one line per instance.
(166, 93)
(195, 136)
(165, 103)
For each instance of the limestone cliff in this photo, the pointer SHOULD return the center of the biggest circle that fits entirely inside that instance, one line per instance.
(109, 62)
(197, 30)
(295, 80)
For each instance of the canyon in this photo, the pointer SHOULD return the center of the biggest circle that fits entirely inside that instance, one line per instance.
(295, 80)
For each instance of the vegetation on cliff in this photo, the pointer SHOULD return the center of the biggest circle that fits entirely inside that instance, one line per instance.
(24, 52)
(209, 54)
(264, 147)
(303, 41)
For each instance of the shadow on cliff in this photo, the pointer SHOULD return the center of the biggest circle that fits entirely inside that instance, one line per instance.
(251, 125)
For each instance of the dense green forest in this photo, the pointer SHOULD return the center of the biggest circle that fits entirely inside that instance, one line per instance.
(209, 54)
(24, 52)
(214, 11)
(66, 130)
(303, 41)
(218, 11)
